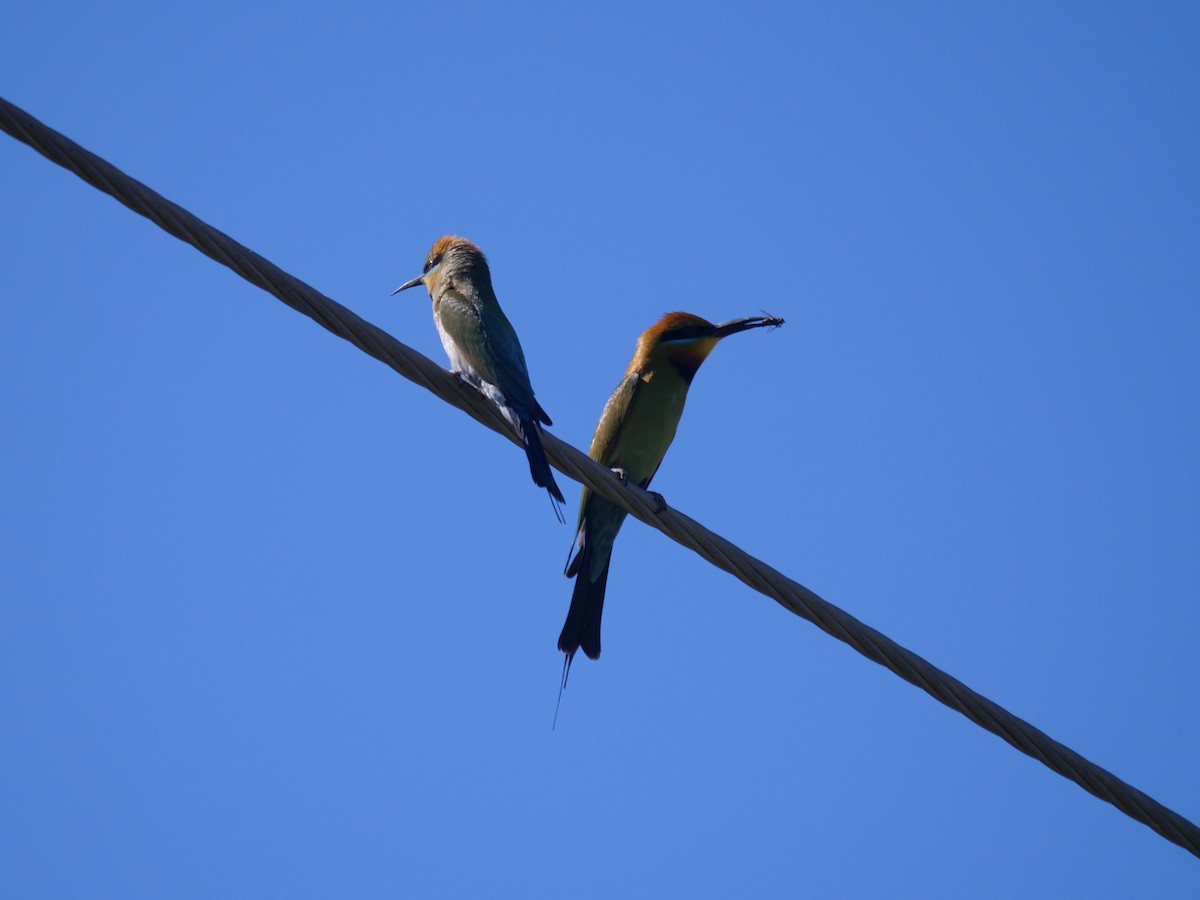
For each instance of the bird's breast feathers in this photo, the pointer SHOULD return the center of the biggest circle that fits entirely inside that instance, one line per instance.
(648, 426)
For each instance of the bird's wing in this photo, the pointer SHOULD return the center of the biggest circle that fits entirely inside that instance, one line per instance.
(603, 441)
(459, 318)
(508, 370)
(612, 419)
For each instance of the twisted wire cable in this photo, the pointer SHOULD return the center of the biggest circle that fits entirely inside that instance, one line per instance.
(567, 459)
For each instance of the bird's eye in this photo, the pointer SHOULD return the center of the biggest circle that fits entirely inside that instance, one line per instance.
(430, 263)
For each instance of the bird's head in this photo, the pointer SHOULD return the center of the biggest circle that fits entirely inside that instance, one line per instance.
(451, 261)
(684, 340)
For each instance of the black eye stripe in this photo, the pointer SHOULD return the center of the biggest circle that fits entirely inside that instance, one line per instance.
(430, 263)
(680, 334)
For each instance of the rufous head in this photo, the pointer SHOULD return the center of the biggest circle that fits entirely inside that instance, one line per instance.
(684, 340)
(450, 259)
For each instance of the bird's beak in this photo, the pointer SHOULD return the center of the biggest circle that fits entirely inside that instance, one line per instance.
(420, 279)
(733, 326)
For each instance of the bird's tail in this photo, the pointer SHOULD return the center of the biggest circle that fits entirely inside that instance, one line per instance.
(582, 628)
(539, 467)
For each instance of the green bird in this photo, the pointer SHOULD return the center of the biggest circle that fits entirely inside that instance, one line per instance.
(632, 436)
(482, 345)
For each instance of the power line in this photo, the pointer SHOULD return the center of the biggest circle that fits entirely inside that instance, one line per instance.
(412, 365)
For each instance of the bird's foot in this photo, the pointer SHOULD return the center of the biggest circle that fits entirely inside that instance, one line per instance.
(471, 381)
(660, 502)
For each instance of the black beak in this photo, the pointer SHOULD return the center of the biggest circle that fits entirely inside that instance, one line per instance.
(733, 326)
(420, 279)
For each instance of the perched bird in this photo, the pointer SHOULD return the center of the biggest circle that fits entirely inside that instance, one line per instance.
(482, 345)
(634, 432)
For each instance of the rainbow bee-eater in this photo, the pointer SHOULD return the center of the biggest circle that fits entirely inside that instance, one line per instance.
(632, 436)
(482, 345)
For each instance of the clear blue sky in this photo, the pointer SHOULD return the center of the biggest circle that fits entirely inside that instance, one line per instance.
(276, 622)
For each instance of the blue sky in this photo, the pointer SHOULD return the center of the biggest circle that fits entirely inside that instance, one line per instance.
(277, 622)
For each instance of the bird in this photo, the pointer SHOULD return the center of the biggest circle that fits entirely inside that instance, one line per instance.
(635, 429)
(483, 347)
